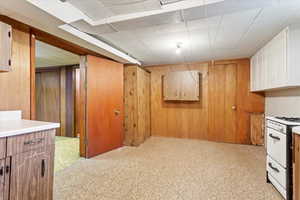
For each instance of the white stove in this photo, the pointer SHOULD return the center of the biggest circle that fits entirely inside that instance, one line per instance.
(279, 153)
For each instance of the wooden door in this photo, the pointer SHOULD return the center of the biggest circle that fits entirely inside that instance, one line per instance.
(104, 100)
(48, 97)
(32, 175)
(222, 103)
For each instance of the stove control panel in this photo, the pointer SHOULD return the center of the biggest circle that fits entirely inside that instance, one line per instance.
(277, 126)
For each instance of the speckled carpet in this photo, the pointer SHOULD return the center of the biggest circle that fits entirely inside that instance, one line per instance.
(169, 169)
(66, 152)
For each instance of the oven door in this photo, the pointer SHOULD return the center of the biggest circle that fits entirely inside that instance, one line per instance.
(276, 146)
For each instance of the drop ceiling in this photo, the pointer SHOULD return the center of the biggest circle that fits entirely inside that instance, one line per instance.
(50, 56)
(149, 30)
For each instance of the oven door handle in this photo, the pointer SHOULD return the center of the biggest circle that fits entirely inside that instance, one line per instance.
(274, 168)
(274, 137)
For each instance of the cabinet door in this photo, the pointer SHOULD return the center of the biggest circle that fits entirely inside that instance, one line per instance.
(259, 70)
(297, 167)
(182, 86)
(32, 175)
(2, 179)
(281, 59)
(5, 46)
(252, 73)
(264, 72)
(268, 65)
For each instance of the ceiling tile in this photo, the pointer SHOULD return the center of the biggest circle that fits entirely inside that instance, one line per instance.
(149, 21)
(87, 28)
(92, 8)
(233, 27)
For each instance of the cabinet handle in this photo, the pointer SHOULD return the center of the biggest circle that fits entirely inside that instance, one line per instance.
(274, 168)
(33, 142)
(1, 171)
(274, 137)
(7, 169)
(43, 168)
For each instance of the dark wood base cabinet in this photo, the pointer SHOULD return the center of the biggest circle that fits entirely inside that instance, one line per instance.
(26, 171)
(296, 166)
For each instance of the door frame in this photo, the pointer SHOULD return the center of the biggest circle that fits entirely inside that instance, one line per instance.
(82, 95)
(83, 106)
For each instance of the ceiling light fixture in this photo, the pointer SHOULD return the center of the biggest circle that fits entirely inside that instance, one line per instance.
(178, 48)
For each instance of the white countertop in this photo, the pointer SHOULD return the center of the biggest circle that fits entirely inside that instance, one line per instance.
(296, 130)
(14, 127)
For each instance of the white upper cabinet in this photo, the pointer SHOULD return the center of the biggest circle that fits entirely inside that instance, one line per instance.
(5, 47)
(276, 64)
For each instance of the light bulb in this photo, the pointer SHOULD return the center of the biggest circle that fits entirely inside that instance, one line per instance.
(178, 51)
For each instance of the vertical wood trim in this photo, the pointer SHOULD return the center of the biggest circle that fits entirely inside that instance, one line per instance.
(82, 110)
(63, 101)
(32, 77)
(77, 103)
(70, 97)
(74, 101)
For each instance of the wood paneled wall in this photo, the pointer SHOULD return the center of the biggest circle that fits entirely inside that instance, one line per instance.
(192, 119)
(48, 98)
(137, 105)
(55, 98)
(15, 85)
(177, 119)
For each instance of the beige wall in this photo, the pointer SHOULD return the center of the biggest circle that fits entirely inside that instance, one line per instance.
(283, 103)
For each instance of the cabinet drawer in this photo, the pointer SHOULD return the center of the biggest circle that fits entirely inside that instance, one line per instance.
(276, 146)
(281, 190)
(277, 171)
(28, 142)
(2, 147)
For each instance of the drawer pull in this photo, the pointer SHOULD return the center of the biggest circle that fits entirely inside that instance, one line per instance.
(1, 171)
(7, 169)
(33, 142)
(274, 137)
(43, 168)
(274, 168)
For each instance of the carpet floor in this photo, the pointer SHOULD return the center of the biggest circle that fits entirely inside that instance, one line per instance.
(66, 152)
(169, 169)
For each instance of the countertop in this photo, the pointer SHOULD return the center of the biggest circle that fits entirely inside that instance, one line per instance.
(20, 126)
(296, 130)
